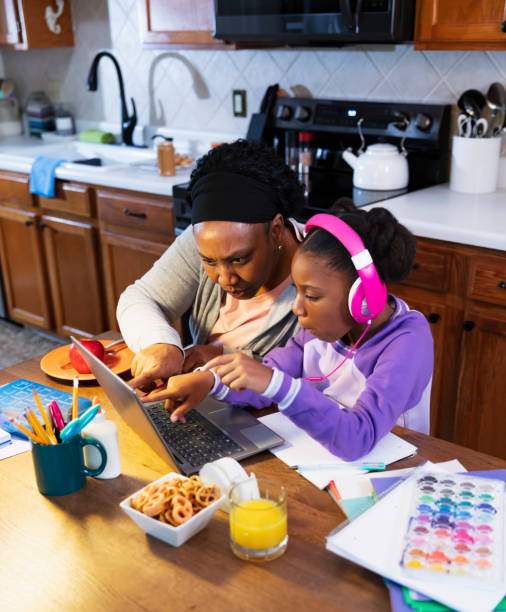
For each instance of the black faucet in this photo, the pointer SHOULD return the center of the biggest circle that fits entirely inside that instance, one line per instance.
(128, 122)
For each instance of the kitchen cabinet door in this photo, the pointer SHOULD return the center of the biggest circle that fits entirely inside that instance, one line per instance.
(73, 268)
(442, 320)
(481, 417)
(23, 268)
(188, 24)
(36, 24)
(124, 259)
(466, 24)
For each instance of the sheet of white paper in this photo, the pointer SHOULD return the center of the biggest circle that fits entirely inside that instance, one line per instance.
(299, 449)
(350, 485)
(17, 446)
(374, 538)
(4, 436)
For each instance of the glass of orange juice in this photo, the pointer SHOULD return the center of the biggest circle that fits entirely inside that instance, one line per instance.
(258, 519)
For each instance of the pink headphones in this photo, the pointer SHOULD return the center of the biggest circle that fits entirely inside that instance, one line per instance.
(368, 294)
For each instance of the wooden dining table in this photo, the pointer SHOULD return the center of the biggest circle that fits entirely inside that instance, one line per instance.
(81, 552)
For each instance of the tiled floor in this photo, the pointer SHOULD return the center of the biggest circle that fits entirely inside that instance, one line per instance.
(20, 343)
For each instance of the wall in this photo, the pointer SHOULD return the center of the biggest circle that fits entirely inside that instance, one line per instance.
(193, 89)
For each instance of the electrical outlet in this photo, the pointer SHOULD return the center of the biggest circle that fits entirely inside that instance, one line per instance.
(239, 102)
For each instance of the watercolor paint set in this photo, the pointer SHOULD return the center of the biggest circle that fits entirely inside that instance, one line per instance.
(456, 528)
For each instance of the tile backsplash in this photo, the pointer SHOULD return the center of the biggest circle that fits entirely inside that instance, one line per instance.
(193, 89)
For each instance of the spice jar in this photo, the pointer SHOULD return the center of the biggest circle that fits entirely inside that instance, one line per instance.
(166, 156)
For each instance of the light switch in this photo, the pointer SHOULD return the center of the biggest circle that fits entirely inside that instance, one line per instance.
(239, 102)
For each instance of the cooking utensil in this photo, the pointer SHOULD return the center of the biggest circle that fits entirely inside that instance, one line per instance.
(472, 102)
(496, 101)
(471, 128)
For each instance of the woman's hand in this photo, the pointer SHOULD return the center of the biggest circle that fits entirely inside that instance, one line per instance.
(198, 355)
(183, 393)
(155, 361)
(240, 372)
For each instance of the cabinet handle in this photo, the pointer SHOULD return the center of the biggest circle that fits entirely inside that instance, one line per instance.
(415, 266)
(28, 223)
(501, 285)
(503, 26)
(433, 317)
(468, 325)
(130, 213)
(43, 226)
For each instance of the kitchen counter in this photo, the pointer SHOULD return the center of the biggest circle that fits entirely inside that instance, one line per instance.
(437, 212)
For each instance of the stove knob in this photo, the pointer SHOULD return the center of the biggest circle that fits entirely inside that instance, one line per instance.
(303, 113)
(284, 112)
(423, 122)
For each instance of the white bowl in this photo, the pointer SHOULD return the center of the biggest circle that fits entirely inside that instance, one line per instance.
(175, 536)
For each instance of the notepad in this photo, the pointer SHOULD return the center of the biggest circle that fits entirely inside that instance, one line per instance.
(17, 396)
(299, 448)
(5, 437)
(373, 536)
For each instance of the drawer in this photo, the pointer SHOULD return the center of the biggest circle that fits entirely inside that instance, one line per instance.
(487, 279)
(69, 197)
(141, 214)
(14, 188)
(431, 269)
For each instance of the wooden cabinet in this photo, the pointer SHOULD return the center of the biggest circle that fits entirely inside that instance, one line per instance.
(466, 24)
(135, 230)
(35, 24)
(173, 23)
(23, 267)
(462, 291)
(50, 258)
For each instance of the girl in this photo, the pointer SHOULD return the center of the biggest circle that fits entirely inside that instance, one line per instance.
(362, 361)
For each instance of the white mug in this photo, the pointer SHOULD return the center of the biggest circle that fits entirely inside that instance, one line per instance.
(475, 164)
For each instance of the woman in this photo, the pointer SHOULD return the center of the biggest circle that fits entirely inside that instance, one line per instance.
(232, 267)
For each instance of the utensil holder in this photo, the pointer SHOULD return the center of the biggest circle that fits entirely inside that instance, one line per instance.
(475, 164)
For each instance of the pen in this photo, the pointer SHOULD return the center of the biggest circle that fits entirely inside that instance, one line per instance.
(49, 429)
(74, 397)
(340, 466)
(56, 415)
(75, 426)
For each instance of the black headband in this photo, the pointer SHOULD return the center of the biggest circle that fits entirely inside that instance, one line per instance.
(225, 196)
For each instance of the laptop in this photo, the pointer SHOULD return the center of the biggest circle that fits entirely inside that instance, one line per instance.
(212, 430)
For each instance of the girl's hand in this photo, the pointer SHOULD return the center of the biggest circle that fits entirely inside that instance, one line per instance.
(183, 393)
(198, 355)
(240, 372)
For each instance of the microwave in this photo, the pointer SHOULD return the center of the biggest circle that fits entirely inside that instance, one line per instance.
(314, 22)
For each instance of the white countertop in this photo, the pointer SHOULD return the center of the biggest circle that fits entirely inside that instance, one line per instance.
(437, 212)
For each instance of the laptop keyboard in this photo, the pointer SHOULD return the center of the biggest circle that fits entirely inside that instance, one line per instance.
(197, 441)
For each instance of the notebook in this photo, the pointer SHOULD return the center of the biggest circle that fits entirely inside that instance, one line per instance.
(17, 396)
(212, 430)
(300, 448)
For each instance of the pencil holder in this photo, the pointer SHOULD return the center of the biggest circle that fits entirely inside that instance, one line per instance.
(60, 468)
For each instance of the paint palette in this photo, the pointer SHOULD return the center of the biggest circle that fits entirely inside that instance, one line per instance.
(455, 528)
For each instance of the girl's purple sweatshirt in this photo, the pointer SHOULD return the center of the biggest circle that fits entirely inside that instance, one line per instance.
(384, 382)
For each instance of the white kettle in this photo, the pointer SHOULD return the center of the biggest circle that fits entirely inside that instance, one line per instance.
(380, 167)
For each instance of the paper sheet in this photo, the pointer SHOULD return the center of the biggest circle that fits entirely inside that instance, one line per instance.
(17, 446)
(370, 539)
(299, 448)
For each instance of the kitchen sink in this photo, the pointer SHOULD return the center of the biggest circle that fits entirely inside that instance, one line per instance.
(93, 157)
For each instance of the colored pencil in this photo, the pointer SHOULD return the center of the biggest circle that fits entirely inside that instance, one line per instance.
(43, 413)
(75, 397)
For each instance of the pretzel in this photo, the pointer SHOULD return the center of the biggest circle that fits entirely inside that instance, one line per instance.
(175, 501)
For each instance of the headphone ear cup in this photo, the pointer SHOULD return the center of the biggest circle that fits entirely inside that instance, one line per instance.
(357, 303)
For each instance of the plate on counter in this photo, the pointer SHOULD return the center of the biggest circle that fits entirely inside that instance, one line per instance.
(56, 363)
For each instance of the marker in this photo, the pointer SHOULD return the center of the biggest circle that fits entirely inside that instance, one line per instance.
(75, 426)
(340, 466)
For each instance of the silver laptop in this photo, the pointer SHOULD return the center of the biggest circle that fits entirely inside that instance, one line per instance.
(212, 430)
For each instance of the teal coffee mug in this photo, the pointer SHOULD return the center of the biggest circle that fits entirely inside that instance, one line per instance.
(60, 468)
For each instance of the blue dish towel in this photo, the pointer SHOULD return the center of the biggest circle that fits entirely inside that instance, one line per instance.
(42, 175)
